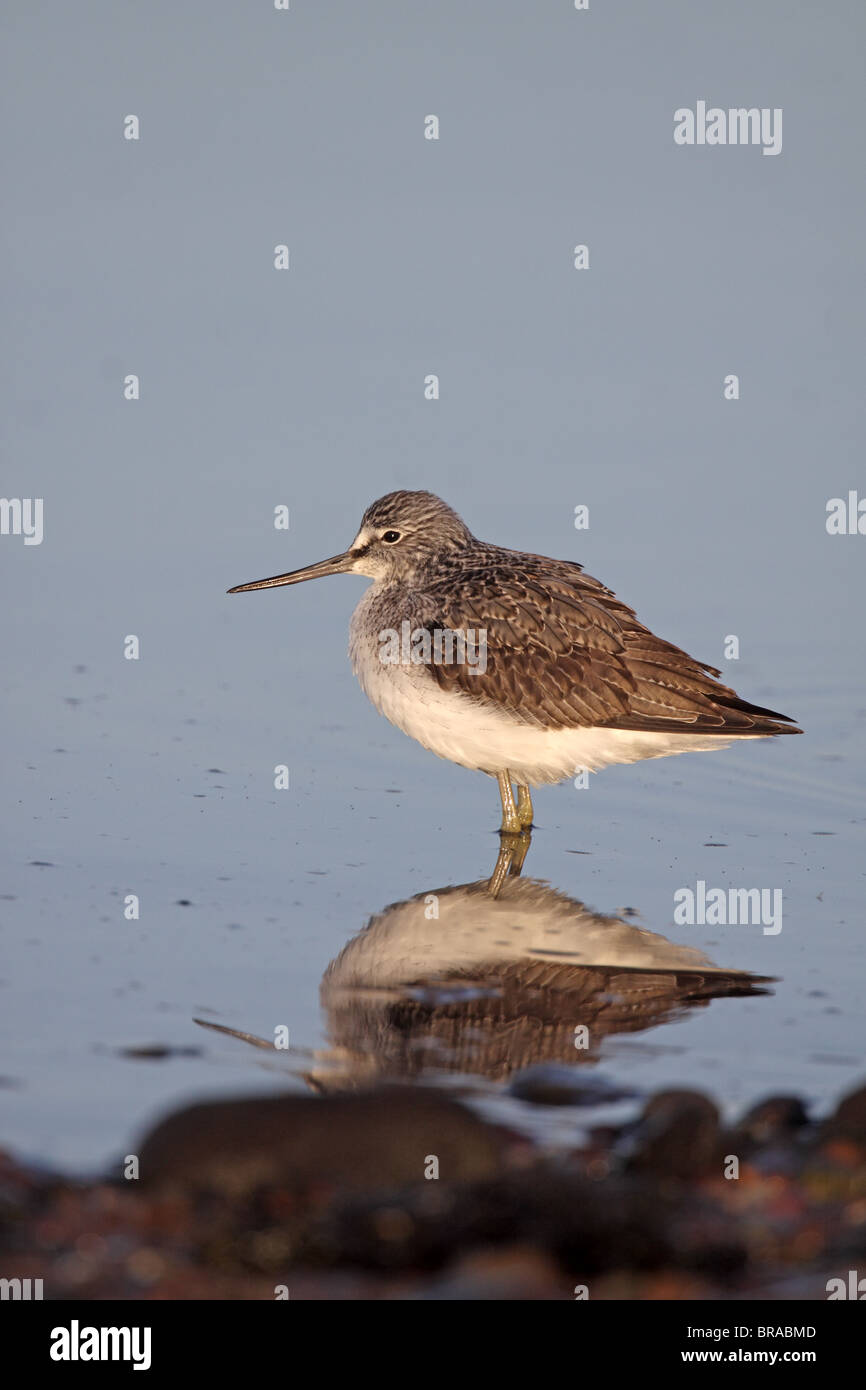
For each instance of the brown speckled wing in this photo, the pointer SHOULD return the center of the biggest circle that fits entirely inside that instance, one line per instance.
(564, 652)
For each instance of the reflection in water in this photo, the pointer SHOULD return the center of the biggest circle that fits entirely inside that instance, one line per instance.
(459, 980)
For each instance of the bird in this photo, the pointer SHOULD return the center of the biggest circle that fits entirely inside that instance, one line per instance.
(497, 985)
(515, 664)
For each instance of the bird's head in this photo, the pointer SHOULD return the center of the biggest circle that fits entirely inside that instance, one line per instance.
(399, 535)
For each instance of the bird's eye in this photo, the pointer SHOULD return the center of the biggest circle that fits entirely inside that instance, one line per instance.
(391, 537)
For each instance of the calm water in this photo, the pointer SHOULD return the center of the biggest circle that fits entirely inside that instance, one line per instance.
(155, 777)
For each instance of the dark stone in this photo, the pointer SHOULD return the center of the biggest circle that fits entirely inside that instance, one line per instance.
(548, 1084)
(774, 1119)
(369, 1141)
(677, 1136)
(587, 1228)
(849, 1121)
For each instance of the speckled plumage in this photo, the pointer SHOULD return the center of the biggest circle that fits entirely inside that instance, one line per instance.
(572, 678)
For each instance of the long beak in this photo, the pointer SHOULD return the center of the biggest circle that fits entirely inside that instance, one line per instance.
(338, 564)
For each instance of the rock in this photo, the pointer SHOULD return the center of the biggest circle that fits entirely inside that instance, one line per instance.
(586, 1226)
(849, 1121)
(776, 1119)
(677, 1136)
(549, 1084)
(367, 1141)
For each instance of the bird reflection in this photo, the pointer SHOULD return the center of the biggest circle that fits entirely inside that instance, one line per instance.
(488, 978)
(456, 980)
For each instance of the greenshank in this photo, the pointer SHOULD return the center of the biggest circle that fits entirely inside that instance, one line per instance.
(517, 665)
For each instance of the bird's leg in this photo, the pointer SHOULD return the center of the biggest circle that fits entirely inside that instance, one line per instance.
(513, 848)
(523, 838)
(511, 822)
(503, 863)
(513, 835)
(521, 849)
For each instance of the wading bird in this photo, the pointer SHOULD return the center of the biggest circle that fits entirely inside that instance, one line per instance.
(517, 665)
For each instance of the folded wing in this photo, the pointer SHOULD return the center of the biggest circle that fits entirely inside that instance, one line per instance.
(562, 651)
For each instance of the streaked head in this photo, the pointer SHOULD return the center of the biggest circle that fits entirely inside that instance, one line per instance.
(399, 534)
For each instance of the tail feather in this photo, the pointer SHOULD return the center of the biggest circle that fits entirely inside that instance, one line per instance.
(767, 721)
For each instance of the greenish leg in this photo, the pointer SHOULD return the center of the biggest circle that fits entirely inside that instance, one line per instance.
(503, 863)
(524, 840)
(513, 849)
(515, 833)
(511, 822)
(524, 805)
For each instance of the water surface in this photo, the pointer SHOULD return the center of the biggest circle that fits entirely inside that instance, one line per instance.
(155, 777)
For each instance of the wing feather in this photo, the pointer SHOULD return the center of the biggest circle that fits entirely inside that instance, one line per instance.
(562, 651)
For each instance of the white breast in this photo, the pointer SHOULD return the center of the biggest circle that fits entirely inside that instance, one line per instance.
(477, 735)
